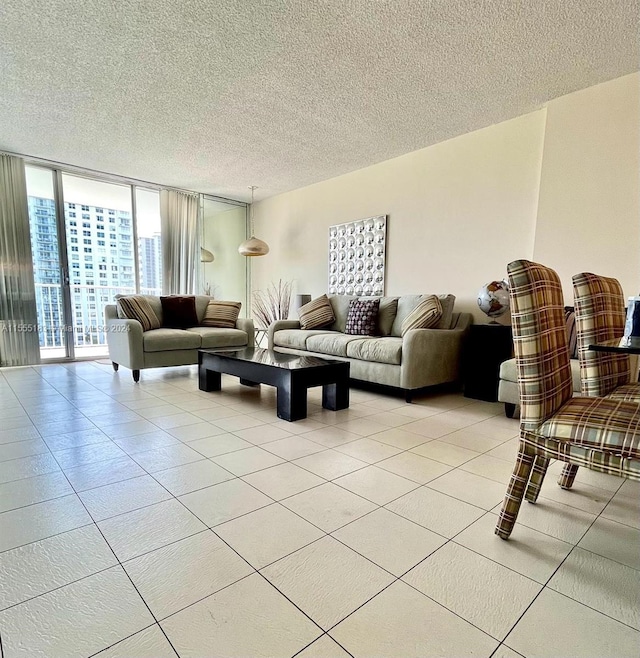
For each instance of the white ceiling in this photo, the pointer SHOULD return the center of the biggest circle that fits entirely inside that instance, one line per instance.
(216, 95)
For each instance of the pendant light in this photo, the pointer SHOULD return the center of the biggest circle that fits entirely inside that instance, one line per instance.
(206, 256)
(253, 246)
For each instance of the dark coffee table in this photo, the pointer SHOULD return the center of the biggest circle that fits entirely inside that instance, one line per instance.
(291, 374)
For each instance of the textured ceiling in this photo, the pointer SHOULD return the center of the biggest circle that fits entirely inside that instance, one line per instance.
(216, 95)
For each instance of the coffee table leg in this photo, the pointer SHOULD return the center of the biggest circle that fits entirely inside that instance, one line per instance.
(248, 382)
(335, 396)
(209, 380)
(292, 403)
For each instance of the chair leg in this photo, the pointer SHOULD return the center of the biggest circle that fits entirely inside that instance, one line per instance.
(509, 409)
(515, 494)
(539, 470)
(568, 476)
(115, 366)
(136, 376)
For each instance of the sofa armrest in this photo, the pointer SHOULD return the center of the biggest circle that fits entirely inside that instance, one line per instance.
(431, 356)
(246, 325)
(278, 325)
(124, 339)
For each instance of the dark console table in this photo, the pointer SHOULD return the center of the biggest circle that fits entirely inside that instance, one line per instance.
(291, 374)
(488, 345)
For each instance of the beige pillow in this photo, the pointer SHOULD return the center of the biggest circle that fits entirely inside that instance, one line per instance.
(136, 307)
(317, 313)
(425, 315)
(221, 314)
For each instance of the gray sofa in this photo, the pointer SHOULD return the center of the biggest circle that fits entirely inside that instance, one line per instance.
(420, 358)
(133, 348)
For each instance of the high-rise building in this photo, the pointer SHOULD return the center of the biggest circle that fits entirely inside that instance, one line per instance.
(150, 259)
(101, 265)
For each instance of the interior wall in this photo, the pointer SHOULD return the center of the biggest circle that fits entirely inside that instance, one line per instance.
(559, 185)
(458, 212)
(224, 230)
(589, 208)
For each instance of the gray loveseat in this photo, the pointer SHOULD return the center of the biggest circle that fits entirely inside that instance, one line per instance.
(136, 349)
(420, 358)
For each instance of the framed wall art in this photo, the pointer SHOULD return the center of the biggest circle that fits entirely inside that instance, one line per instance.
(357, 257)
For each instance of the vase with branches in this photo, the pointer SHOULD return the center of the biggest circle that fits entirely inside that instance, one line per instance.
(272, 304)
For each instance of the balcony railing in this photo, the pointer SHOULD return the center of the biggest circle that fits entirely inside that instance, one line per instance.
(87, 321)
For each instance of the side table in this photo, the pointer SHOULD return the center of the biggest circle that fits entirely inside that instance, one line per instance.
(488, 345)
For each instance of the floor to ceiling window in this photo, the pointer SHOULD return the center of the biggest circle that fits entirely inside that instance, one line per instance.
(91, 240)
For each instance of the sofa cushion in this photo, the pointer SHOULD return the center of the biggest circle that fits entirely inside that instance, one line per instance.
(332, 343)
(295, 338)
(179, 311)
(219, 337)
(425, 315)
(387, 314)
(137, 307)
(340, 305)
(165, 339)
(380, 350)
(317, 313)
(362, 319)
(221, 314)
(406, 304)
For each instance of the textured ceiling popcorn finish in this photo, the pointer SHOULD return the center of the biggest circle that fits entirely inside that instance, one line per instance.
(213, 96)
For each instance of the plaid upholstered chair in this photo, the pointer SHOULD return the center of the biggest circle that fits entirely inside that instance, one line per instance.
(599, 433)
(600, 316)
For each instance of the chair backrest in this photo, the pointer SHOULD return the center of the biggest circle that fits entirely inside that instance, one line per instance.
(600, 316)
(540, 341)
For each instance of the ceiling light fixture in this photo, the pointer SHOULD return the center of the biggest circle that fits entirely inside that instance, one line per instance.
(206, 256)
(253, 246)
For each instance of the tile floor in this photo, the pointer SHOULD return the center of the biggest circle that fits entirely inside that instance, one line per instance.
(154, 520)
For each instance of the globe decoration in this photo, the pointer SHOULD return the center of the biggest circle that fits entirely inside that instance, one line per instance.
(493, 298)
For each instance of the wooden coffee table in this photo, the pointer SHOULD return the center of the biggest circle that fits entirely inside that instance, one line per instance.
(291, 374)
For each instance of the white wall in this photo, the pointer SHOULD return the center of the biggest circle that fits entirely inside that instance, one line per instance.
(589, 209)
(559, 185)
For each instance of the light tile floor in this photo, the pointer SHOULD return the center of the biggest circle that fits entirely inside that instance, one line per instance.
(155, 520)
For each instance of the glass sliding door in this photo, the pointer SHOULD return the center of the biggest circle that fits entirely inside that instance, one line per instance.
(51, 285)
(99, 229)
(147, 212)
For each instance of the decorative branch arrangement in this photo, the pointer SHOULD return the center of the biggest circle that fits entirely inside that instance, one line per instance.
(272, 304)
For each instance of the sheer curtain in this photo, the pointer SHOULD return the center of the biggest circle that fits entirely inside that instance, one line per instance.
(19, 343)
(180, 243)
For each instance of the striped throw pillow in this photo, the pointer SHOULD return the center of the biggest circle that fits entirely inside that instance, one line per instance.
(136, 307)
(317, 313)
(425, 315)
(221, 314)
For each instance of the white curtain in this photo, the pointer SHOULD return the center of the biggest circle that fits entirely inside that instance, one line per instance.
(19, 343)
(180, 243)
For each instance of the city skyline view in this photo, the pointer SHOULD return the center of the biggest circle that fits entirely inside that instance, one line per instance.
(100, 252)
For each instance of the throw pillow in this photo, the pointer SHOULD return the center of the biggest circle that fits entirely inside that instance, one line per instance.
(221, 314)
(317, 313)
(179, 312)
(572, 333)
(362, 319)
(136, 307)
(426, 314)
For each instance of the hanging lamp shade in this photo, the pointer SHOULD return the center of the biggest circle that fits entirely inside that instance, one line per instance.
(206, 256)
(253, 246)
